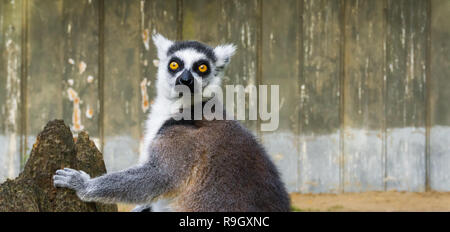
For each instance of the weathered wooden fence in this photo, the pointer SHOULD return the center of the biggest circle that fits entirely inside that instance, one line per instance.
(364, 85)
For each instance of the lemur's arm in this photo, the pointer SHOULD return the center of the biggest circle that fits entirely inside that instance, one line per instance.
(137, 185)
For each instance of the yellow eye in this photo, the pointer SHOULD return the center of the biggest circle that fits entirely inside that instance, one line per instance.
(202, 68)
(173, 65)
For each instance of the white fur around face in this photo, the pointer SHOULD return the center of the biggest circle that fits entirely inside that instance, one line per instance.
(189, 56)
(166, 81)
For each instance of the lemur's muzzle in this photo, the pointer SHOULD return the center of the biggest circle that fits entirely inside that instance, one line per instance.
(186, 79)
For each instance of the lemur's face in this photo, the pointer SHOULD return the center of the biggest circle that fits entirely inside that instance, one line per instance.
(189, 64)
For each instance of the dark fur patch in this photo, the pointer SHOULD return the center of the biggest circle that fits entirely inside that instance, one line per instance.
(172, 122)
(197, 64)
(199, 47)
(191, 122)
(180, 64)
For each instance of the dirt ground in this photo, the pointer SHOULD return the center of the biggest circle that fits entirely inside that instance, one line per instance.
(372, 201)
(369, 201)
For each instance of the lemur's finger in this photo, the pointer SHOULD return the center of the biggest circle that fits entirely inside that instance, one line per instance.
(67, 172)
(61, 178)
(70, 170)
(60, 183)
(62, 172)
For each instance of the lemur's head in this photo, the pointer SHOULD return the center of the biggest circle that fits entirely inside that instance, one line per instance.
(189, 63)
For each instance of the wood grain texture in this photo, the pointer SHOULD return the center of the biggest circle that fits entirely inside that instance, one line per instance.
(440, 95)
(196, 23)
(122, 125)
(45, 63)
(10, 87)
(280, 66)
(80, 75)
(239, 23)
(319, 97)
(405, 103)
(2, 62)
(363, 94)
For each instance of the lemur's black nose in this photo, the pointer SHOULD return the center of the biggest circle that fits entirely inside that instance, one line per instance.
(187, 79)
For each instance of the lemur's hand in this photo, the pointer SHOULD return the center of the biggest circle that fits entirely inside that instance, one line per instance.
(73, 179)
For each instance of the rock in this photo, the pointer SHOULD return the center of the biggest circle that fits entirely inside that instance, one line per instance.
(54, 149)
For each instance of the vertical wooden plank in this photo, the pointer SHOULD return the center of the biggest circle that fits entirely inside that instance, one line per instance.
(10, 85)
(405, 109)
(122, 126)
(239, 23)
(363, 94)
(45, 65)
(2, 62)
(440, 94)
(319, 97)
(196, 21)
(280, 66)
(80, 74)
(62, 80)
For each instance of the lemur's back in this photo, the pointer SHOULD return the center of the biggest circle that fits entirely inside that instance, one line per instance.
(226, 168)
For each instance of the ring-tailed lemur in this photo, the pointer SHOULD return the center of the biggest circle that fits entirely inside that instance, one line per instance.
(189, 165)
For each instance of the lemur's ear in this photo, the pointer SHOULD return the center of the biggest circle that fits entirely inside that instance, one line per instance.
(224, 53)
(162, 45)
